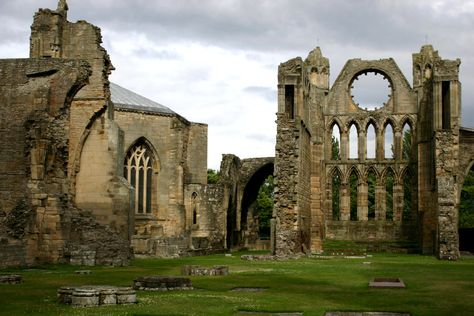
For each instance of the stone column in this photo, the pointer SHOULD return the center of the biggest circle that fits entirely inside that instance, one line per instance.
(380, 202)
(362, 201)
(345, 201)
(397, 202)
(397, 144)
(380, 145)
(344, 145)
(362, 145)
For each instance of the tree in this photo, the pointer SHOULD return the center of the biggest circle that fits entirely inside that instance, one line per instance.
(406, 145)
(335, 154)
(264, 206)
(371, 182)
(353, 184)
(466, 207)
(336, 182)
(212, 176)
(389, 195)
(336, 189)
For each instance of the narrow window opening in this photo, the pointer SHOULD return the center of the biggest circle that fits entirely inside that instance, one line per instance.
(336, 193)
(371, 182)
(407, 196)
(194, 216)
(446, 105)
(353, 142)
(194, 206)
(290, 100)
(336, 143)
(371, 141)
(388, 142)
(406, 142)
(389, 195)
(353, 183)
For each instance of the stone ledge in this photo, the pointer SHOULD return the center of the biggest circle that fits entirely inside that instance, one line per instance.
(201, 271)
(95, 295)
(162, 283)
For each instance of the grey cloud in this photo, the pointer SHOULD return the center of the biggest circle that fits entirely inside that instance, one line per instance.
(382, 28)
(266, 93)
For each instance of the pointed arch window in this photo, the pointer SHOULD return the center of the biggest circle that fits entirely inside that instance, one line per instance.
(336, 195)
(388, 142)
(353, 188)
(353, 142)
(194, 207)
(371, 141)
(389, 182)
(406, 141)
(336, 143)
(371, 184)
(138, 170)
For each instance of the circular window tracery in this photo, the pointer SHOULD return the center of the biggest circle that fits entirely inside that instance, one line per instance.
(370, 90)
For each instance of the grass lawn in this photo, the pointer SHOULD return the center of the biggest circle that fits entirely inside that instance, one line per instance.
(311, 286)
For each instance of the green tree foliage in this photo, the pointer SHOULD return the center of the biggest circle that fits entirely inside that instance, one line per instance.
(353, 183)
(336, 189)
(407, 194)
(406, 144)
(389, 195)
(212, 176)
(336, 155)
(264, 206)
(407, 179)
(466, 207)
(336, 182)
(371, 182)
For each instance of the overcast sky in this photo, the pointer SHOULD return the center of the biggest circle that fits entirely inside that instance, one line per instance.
(215, 61)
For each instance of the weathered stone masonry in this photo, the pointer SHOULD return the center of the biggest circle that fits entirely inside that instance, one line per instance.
(309, 109)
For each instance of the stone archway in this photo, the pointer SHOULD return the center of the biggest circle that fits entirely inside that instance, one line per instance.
(254, 173)
(241, 180)
(466, 166)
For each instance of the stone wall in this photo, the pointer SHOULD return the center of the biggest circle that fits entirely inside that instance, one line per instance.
(447, 153)
(39, 222)
(99, 187)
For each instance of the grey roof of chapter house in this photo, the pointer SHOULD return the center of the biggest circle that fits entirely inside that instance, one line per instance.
(129, 100)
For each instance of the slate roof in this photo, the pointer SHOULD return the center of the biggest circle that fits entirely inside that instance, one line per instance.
(127, 100)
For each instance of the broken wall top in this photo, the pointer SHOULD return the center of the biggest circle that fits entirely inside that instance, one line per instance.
(53, 36)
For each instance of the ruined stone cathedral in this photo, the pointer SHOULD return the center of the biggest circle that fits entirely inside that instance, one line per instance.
(410, 196)
(93, 173)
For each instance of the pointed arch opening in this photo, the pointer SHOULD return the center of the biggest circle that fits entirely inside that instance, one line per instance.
(389, 180)
(336, 194)
(353, 142)
(407, 196)
(353, 187)
(194, 207)
(336, 142)
(138, 171)
(389, 152)
(371, 183)
(407, 139)
(371, 141)
(466, 213)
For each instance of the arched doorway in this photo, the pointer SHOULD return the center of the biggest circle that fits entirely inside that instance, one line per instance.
(466, 214)
(257, 208)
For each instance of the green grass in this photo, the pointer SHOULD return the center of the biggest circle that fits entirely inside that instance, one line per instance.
(312, 286)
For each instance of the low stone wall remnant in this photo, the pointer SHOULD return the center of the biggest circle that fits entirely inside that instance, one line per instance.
(162, 283)
(11, 278)
(95, 295)
(198, 270)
